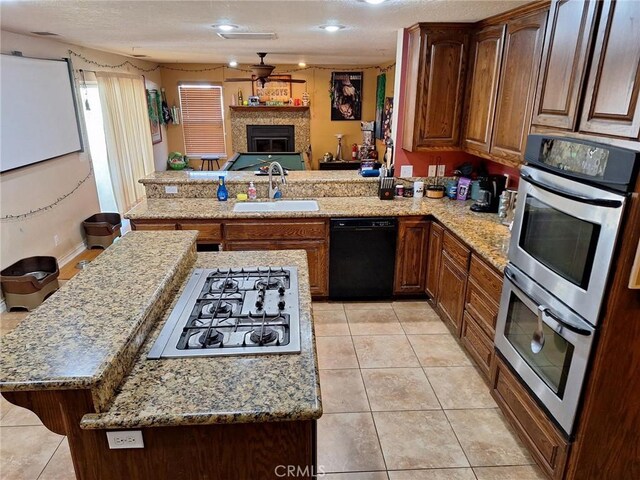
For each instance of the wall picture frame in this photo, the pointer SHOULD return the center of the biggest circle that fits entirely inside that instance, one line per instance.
(277, 89)
(346, 96)
(153, 104)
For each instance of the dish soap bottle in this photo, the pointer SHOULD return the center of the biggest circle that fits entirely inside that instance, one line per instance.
(223, 195)
(252, 193)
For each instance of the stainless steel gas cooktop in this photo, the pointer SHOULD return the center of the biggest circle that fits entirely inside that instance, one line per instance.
(240, 311)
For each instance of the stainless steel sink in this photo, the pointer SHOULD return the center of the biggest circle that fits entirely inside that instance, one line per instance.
(278, 206)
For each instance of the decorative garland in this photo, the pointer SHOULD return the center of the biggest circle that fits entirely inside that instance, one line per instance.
(212, 69)
(49, 207)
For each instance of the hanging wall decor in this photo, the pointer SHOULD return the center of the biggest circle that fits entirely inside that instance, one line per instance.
(154, 104)
(380, 91)
(387, 115)
(346, 95)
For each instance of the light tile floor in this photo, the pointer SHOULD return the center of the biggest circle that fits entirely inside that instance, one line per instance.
(403, 401)
(400, 404)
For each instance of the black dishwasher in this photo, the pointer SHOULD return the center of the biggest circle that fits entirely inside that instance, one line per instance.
(362, 254)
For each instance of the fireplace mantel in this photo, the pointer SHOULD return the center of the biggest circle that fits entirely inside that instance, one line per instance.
(269, 108)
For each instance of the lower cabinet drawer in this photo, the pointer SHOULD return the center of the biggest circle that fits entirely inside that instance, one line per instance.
(276, 230)
(206, 231)
(546, 442)
(482, 307)
(153, 226)
(477, 343)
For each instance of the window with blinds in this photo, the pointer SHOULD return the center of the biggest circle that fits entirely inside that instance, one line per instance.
(202, 120)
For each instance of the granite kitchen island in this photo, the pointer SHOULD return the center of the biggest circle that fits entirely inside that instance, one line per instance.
(80, 363)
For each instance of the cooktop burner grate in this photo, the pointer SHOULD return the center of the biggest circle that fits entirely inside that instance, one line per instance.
(234, 312)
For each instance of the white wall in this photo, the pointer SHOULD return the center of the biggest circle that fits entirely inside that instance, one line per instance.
(40, 185)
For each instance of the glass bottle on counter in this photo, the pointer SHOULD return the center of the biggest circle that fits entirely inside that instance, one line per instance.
(222, 194)
(252, 193)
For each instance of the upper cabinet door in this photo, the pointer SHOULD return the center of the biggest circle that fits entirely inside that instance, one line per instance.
(444, 77)
(434, 91)
(520, 67)
(566, 50)
(611, 105)
(486, 58)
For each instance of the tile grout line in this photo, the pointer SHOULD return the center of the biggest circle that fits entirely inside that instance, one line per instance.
(373, 419)
(51, 457)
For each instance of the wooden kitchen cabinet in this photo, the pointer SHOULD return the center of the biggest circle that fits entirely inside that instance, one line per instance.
(317, 257)
(518, 79)
(565, 55)
(451, 290)
(612, 104)
(545, 441)
(479, 346)
(411, 256)
(434, 254)
(434, 95)
(285, 234)
(208, 232)
(484, 75)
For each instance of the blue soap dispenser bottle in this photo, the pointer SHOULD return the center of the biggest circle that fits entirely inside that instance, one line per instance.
(223, 195)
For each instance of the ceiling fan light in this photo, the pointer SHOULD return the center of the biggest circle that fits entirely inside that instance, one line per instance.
(233, 63)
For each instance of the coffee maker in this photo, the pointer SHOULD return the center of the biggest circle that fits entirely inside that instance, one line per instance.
(491, 187)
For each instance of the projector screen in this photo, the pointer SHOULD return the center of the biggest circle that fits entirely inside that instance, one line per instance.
(39, 118)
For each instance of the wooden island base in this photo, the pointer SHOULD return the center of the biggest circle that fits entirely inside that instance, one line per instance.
(245, 451)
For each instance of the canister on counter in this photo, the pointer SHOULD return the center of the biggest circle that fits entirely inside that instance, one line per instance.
(399, 190)
(451, 188)
(418, 189)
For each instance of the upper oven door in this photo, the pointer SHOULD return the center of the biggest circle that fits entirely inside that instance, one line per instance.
(563, 236)
(545, 343)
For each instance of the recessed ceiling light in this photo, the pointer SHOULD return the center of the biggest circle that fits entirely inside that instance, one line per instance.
(233, 63)
(225, 27)
(332, 28)
(375, 2)
(302, 64)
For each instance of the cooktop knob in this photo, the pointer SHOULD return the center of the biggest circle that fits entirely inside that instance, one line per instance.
(281, 290)
(281, 305)
(259, 304)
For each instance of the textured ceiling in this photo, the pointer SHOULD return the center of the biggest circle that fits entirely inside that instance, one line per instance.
(180, 30)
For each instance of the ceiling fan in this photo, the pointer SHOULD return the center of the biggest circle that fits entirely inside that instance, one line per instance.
(261, 71)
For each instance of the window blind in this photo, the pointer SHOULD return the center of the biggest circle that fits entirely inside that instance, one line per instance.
(202, 120)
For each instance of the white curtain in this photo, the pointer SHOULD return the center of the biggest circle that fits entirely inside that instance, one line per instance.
(128, 134)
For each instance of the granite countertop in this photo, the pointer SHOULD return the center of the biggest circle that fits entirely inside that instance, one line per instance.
(173, 177)
(235, 389)
(481, 231)
(87, 334)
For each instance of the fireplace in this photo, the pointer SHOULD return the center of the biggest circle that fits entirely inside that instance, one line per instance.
(270, 138)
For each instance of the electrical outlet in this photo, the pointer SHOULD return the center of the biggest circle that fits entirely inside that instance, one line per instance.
(171, 189)
(441, 170)
(406, 171)
(125, 439)
(56, 240)
(432, 171)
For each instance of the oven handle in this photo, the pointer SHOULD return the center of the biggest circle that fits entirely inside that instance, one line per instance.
(600, 202)
(543, 309)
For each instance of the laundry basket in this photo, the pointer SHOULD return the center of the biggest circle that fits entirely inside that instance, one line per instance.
(102, 229)
(28, 282)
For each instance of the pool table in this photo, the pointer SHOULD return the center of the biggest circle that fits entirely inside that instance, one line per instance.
(253, 161)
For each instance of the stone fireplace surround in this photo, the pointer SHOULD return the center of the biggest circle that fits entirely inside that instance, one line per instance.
(254, 116)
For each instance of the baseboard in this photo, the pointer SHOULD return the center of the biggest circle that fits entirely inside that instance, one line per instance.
(81, 247)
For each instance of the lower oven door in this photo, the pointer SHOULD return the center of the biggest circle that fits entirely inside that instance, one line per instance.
(546, 344)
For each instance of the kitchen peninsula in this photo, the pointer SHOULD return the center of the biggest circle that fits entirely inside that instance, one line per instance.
(84, 370)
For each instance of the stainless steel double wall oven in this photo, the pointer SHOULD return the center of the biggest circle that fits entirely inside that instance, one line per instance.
(571, 202)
